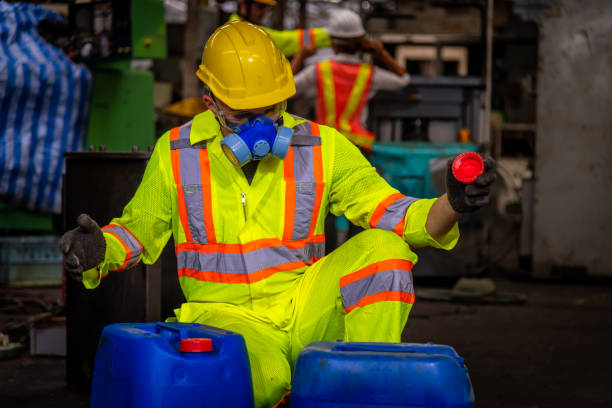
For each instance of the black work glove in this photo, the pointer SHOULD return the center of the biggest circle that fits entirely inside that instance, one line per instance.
(470, 197)
(83, 247)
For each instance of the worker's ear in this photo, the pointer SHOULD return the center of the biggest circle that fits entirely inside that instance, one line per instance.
(209, 103)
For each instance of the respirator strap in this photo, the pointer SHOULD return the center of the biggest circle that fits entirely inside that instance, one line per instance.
(219, 116)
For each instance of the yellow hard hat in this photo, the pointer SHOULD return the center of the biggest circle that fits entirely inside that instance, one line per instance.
(243, 67)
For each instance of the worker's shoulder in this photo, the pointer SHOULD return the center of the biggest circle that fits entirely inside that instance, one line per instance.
(163, 144)
(163, 140)
(330, 136)
(304, 127)
(201, 129)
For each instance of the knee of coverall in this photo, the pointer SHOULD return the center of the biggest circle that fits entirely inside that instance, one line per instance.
(369, 265)
(378, 297)
(378, 244)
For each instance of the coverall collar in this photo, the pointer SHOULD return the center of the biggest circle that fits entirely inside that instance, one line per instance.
(204, 128)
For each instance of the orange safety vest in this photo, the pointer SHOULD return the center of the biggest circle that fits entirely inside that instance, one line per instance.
(206, 259)
(342, 92)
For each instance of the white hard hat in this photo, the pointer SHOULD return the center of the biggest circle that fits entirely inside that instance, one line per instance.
(345, 24)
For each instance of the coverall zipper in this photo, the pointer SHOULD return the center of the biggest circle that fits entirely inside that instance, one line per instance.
(243, 201)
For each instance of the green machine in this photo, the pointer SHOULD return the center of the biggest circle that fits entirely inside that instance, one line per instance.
(111, 37)
(121, 113)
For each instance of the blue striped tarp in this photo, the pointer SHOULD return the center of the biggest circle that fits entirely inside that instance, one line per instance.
(44, 103)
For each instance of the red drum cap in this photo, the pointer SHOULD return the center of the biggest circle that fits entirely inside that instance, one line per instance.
(196, 345)
(467, 167)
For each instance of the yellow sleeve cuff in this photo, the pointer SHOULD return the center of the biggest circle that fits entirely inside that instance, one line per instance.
(92, 277)
(322, 39)
(415, 232)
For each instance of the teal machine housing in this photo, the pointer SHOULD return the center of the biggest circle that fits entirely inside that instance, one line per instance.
(411, 166)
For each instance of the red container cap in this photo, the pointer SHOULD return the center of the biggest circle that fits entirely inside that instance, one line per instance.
(467, 166)
(196, 345)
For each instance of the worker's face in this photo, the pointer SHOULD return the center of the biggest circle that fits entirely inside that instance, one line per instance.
(254, 13)
(239, 117)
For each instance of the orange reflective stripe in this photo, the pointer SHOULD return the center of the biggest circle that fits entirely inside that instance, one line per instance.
(289, 195)
(318, 176)
(176, 170)
(131, 245)
(283, 401)
(382, 207)
(403, 264)
(393, 295)
(313, 39)
(105, 228)
(128, 252)
(220, 277)
(399, 228)
(207, 196)
(300, 38)
(367, 285)
(248, 246)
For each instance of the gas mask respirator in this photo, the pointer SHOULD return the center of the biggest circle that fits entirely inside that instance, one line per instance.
(255, 139)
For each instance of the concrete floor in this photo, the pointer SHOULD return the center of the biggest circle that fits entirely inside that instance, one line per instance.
(553, 351)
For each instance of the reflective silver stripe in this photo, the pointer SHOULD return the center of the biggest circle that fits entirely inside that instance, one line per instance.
(305, 186)
(129, 241)
(395, 213)
(191, 180)
(305, 140)
(303, 130)
(305, 37)
(383, 281)
(248, 262)
(180, 144)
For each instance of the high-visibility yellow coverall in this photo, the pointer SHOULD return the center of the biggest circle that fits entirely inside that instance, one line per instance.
(251, 256)
(290, 42)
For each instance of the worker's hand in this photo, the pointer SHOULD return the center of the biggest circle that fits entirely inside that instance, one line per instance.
(309, 50)
(371, 45)
(470, 197)
(297, 61)
(83, 247)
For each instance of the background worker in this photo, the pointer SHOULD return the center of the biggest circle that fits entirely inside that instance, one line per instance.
(250, 247)
(290, 42)
(343, 85)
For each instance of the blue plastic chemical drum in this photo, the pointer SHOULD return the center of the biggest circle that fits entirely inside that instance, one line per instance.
(168, 365)
(347, 375)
